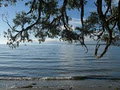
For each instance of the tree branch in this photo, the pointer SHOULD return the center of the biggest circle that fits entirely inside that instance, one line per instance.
(108, 7)
(32, 7)
(106, 26)
(119, 15)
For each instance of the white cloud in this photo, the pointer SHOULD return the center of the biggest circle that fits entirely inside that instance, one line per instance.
(75, 22)
(47, 40)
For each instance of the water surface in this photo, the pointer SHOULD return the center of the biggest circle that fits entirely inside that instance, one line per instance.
(58, 61)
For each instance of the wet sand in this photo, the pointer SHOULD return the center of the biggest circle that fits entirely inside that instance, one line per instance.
(65, 88)
(60, 85)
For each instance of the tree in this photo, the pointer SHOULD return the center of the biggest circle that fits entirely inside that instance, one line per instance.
(47, 17)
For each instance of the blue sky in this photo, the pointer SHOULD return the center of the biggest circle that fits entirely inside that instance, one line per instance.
(10, 11)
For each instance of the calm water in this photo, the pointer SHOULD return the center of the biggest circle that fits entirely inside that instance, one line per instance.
(58, 60)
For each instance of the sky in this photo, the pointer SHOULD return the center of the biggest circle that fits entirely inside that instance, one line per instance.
(10, 11)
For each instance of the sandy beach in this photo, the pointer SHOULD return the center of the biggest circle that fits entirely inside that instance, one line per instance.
(77, 88)
(61, 85)
(66, 88)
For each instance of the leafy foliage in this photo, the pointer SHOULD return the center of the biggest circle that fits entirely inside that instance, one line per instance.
(49, 18)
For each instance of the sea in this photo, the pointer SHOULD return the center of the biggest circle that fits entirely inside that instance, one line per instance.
(58, 62)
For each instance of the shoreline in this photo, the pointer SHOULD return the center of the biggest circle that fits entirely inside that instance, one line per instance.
(66, 88)
(60, 85)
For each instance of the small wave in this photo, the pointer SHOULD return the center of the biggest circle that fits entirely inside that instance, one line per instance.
(17, 78)
(31, 78)
(100, 77)
(57, 78)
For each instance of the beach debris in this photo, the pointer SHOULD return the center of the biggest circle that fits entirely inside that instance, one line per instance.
(34, 83)
(14, 86)
(29, 86)
(61, 89)
(70, 88)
